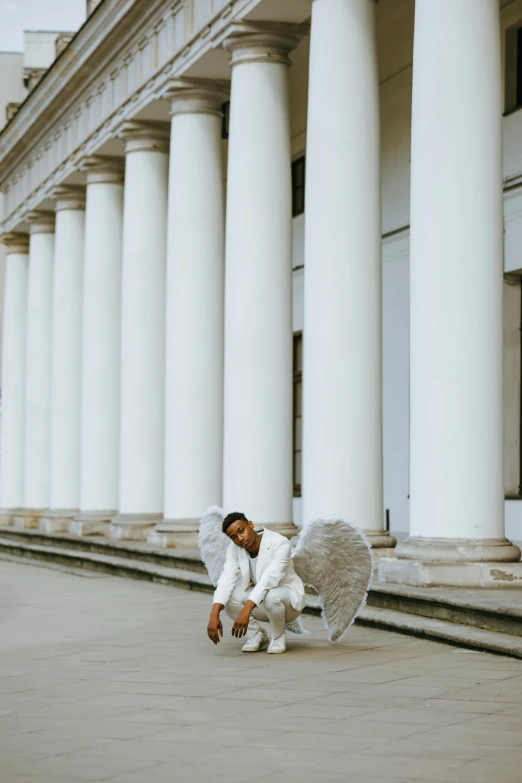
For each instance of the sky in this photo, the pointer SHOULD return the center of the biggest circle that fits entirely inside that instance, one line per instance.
(19, 15)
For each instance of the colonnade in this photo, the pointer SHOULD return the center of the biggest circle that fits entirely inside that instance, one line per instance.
(160, 385)
(147, 364)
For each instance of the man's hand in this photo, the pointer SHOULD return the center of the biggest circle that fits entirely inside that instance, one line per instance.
(240, 627)
(214, 627)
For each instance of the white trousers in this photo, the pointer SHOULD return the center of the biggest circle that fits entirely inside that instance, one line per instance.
(276, 609)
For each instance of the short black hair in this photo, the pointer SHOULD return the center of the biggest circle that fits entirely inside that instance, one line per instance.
(235, 516)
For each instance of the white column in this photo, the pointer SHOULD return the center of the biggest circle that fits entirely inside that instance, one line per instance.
(66, 360)
(38, 370)
(258, 296)
(194, 334)
(13, 375)
(342, 374)
(456, 277)
(100, 415)
(142, 419)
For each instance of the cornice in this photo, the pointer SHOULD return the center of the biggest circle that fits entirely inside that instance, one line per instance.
(118, 63)
(15, 242)
(96, 36)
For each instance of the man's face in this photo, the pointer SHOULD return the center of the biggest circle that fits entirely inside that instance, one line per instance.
(242, 534)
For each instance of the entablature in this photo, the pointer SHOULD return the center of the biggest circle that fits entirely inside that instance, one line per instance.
(120, 62)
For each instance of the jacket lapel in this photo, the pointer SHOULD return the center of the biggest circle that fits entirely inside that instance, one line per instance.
(263, 551)
(245, 567)
(244, 557)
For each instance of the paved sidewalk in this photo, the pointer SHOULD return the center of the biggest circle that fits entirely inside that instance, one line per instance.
(109, 679)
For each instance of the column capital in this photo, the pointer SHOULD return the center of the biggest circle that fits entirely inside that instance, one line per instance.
(197, 96)
(263, 41)
(142, 136)
(103, 169)
(15, 242)
(69, 197)
(41, 222)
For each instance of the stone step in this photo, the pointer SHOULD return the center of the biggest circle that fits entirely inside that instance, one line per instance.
(108, 563)
(188, 559)
(442, 631)
(131, 562)
(489, 609)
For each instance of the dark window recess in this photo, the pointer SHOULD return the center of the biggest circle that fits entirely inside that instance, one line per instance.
(519, 68)
(225, 123)
(520, 412)
(298, 186)
(513, 69)
(298, 412)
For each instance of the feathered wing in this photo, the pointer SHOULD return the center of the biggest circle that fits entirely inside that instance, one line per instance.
(213, 547)
(334, 558)
(213, 543)
(296, 627)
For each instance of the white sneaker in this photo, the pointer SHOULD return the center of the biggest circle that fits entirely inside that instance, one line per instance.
(256, 642)
(278, 645)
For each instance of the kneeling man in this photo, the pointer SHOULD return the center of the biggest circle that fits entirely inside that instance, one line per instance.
(258, 583)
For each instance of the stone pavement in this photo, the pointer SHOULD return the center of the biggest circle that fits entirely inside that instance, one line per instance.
(109, 679)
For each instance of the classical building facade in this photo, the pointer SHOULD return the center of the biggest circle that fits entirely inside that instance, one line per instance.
(266, 254)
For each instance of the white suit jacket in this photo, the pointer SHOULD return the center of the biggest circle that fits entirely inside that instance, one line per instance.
(275, 568)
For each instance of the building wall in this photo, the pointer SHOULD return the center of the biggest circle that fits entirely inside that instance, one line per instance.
(512, 386)
(11, 91)
(11, 84)
(396, 378)
(298, 88)
(39, 48)
(395, 44)
(395, 153)
(395, 37)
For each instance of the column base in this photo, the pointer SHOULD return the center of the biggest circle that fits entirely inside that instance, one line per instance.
(56, 520)
(91, 523)
(28, 518)
(133, 527)
(457, 550)
(181, 533)
(7, 516)
(286, 529)
(382, 543)
(453, 562)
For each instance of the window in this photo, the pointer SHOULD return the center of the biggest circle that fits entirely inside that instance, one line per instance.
(513, 71)
(519, 67)
(298, 411)
(298, 186)
(225, 122)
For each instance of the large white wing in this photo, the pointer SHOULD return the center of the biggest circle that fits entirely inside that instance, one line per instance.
(213, 543)
(334, 558)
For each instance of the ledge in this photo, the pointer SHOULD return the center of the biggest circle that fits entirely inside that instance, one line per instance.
(480, 618)
(119, 62)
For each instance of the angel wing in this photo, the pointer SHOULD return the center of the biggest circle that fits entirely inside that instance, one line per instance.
(334, 558)
(212, 543)
(213, 547)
